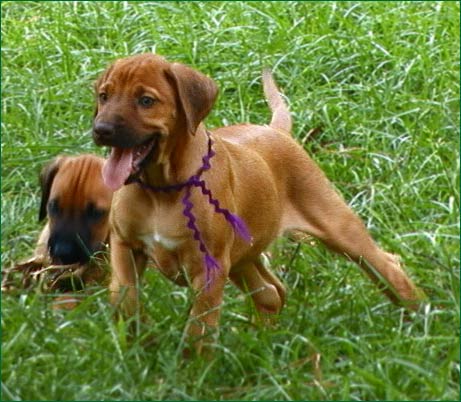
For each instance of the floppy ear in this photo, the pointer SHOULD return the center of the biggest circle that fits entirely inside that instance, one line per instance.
(46, 180)
(96, 85)
(196, 92)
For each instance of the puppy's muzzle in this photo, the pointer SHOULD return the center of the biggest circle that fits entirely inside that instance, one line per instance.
(118, 135)
(103, 132)
(69, 248)
(112, 134)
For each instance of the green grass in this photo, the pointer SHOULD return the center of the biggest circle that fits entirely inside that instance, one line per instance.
(381, 79)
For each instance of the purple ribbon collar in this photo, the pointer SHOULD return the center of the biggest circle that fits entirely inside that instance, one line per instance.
(237, 223)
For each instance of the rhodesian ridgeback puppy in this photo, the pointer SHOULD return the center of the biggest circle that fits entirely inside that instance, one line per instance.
(205, 205)
(77, 203)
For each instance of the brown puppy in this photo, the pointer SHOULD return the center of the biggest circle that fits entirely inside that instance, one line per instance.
(77, 203)
(149, 112)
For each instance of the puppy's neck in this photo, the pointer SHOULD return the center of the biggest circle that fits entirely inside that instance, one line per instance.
(182, 158)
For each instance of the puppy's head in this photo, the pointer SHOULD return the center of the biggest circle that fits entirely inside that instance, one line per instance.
(144, 105)
(77, 203)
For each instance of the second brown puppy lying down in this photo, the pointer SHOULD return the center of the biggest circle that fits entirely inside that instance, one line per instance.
(205, 205)
(77, 203)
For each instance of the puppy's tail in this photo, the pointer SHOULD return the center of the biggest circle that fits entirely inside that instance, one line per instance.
(281, 118)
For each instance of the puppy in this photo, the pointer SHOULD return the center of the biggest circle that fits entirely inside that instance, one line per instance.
(205, 205)
(77, 204)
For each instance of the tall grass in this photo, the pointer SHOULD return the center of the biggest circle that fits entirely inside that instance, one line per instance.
(381, 82)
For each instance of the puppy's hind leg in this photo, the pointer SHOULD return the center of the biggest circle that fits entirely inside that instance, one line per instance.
(266, 290)
(317, 209)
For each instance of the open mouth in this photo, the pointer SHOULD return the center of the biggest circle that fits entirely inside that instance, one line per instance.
(124, 163)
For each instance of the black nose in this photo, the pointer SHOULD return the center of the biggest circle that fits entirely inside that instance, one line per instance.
(67, 252)
(103, 131)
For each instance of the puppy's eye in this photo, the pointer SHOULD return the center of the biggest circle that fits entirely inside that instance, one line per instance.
(103, 97)
(146, 101)
(95, 214)
(53, 208)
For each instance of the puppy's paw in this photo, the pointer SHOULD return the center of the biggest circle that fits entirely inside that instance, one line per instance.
(23, 275)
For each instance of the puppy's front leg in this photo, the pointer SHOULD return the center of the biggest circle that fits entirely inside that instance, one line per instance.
(127, 268)
(41, 250)
(202, 326)
(39, 260)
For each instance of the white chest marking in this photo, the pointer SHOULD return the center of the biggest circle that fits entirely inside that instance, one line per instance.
(155, 239)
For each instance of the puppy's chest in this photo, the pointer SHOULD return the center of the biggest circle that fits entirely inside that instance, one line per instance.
(158, 238)
(166, 230)
(164, 249)
(150, 227)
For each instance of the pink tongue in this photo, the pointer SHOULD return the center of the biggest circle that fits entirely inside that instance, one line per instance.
(117, 167)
